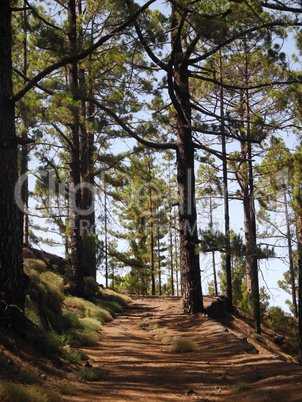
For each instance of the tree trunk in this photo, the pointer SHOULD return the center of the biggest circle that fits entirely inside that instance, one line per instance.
(12, 278)
(171, 257)
(24, 149)
(290, 255)
(189, 256)
(299, 235)
(228, 271)
(87, 184)
(75, 193)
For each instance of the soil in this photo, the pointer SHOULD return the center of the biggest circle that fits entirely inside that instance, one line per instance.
(136, 363)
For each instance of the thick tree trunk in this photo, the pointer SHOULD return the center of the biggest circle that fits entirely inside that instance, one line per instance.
(180, 93)
(189, 256)
(250, 238)
(12, 278)
(75, 193)
(87, 186)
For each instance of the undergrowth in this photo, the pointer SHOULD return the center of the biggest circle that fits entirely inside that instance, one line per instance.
(64, 323)
(68, 320)
(183, 346)
(13, 392)
(287, 326)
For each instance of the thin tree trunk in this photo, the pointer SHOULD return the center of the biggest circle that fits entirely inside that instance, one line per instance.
(290, 255)
(213, 252)
(151, 232)
(228, 270)
(158, 258)
(106, 241)
(171, 257)
(299, 235)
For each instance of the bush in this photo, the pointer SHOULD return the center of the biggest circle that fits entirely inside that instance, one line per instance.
(32, 393)
(29, 378)
(111, 295)
(239, 387)
(83, 337)
(68, 389)
(32, 264)
(183, 346)
(88, 374)
(276, 319)
(91, 324)
(87, 309)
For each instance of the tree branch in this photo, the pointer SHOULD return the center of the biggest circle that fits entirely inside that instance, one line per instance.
(132, 134)
(80, 56)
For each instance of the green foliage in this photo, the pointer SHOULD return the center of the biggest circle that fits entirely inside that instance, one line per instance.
(27, 377)
(32, 264)
(88, 374)
(91, 286)
(239, 387)
(183, 346)
(257, 337)
(66, 320)
(68, 389)
(86, 308)
(277, 321)
(83, 337)
(10, 391)
(74, 355)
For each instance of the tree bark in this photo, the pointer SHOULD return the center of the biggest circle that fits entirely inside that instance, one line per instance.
(189, 256)
(228, 270)
(12, 278)
(75, 198)
(290, 255)
(299, 236)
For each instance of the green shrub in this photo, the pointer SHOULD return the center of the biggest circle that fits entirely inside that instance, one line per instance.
(29, 378)
(111, 306)
(70, 320)
(91, 324)
(83, 337)
(30, 393)
(68, 389)
(99, 313)
(257, 337)
(88, 374)
(111, 295)
(54, 289)
(183, 346)
(32, 312)
(32, 264)
(276, 319)
(14, 392)
(88, 309)
(239, 387)
(73, 356)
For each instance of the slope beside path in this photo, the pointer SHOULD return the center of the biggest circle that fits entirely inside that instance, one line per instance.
(135, 360)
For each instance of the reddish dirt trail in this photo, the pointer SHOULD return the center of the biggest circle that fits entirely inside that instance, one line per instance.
(136, 363)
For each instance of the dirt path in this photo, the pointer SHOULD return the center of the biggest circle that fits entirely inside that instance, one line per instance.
(135, 360)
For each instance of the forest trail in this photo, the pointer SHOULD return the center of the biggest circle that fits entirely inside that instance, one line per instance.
(135, 360)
